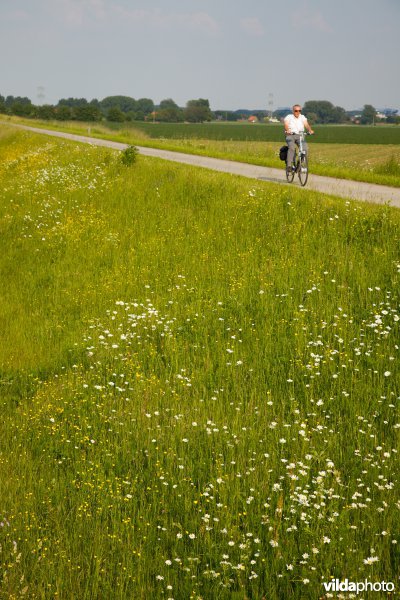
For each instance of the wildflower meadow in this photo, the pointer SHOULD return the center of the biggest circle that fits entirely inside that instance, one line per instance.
(199, 382)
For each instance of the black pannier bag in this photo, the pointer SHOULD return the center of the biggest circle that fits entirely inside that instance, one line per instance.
(283, 153)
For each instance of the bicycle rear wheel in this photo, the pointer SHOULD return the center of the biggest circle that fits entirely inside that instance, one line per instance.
(303, 169)
(290, 174)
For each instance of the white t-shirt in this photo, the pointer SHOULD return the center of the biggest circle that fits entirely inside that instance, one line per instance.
(295, 124)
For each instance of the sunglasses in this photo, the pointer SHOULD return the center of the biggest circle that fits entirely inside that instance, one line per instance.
(297, 110)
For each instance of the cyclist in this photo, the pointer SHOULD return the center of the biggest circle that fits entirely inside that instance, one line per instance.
(295, 124)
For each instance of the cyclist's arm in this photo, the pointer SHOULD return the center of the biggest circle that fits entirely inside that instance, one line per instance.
(286, 123)
(308, 127)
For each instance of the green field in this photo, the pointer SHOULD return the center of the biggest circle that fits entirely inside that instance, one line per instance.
(364, 156)
(325, 134)
(199, 382)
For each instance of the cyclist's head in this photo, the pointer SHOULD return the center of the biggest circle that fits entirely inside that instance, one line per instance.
(296, 109)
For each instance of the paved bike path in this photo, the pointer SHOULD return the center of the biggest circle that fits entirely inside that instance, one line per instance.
(344, 188)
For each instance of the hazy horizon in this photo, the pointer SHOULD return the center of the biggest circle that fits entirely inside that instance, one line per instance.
(260, 56)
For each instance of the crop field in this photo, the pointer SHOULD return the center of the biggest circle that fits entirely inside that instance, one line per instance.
(327, 134)
(199, 382)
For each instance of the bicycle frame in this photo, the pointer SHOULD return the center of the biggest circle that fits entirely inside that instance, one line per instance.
(301, 141)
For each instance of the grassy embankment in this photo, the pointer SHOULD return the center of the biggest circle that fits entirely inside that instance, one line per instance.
(369, 154)
(199, 382)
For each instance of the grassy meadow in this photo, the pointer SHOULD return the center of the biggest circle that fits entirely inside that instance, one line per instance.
(199, 382)
(360, 153)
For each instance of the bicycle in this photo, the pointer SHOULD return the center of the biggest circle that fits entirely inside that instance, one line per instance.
(300, 162)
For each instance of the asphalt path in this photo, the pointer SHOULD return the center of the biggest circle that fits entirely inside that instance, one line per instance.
(355, 190)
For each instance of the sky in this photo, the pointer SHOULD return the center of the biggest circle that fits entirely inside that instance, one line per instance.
(258, 54)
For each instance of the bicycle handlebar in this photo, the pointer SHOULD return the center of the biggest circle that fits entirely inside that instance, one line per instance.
(302, 133)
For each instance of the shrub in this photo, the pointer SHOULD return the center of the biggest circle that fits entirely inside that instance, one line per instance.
(129, 156)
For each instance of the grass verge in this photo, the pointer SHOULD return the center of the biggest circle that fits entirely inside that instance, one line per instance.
(199, 381)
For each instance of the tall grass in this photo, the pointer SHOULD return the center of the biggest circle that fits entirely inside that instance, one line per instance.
(199, 382)
(390, 167)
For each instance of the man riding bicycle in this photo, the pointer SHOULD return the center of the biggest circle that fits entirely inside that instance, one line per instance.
(294, 126)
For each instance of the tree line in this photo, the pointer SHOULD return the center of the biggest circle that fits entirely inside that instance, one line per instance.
(125, 108)
(111, 108)
(324, 112)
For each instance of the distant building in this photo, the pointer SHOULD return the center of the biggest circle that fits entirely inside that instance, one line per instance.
(252, 119)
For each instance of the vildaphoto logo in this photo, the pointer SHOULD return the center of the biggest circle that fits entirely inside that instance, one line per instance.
(336, 585)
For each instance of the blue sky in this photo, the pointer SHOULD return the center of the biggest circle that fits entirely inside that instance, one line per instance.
(253, 54)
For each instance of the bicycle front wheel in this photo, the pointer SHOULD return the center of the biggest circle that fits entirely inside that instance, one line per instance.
(303, 169)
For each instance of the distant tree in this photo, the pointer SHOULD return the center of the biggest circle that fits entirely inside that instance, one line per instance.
(22, 109)
(368, 115)
(260, 114)
(63, 113)
(391, 119)
(72, 102)
(242, 115)
(46, 112)
(281, 113)
(3, 108)
(138, 116)
(87, 112)
(124, 103)
(390, 112)
(115, 115)
(324, 111)
(145, 106)
(312, 117)
(198, 111)
(169, 112)
(340, 115)
(225, 115)
(167, 103)
(10, 100)
(170, 115)
(130, 116)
